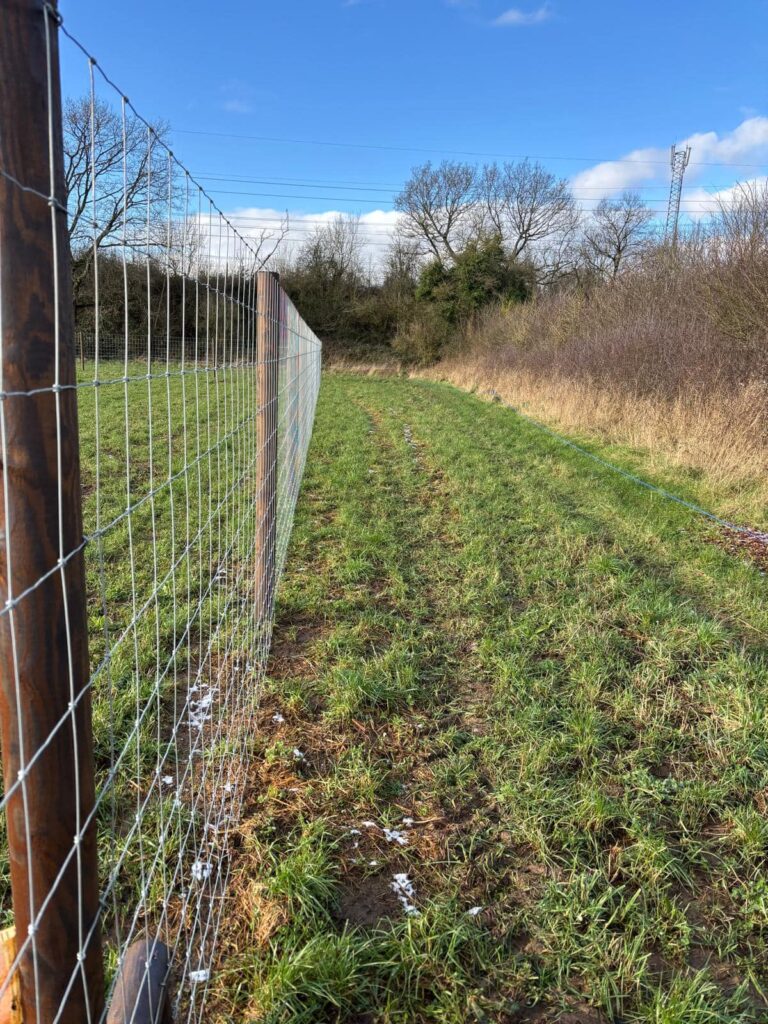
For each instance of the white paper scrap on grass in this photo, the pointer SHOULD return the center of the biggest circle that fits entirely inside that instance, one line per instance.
(393, 836)
(201, 870)
(404, 889)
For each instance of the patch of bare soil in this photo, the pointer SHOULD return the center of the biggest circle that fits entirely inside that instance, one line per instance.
(292, 644)
(367, 901)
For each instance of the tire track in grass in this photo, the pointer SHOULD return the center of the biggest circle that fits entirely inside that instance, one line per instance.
(425, 512)
(371, 720)
(484, 865)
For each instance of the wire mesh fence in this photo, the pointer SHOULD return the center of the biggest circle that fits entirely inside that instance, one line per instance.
(151, 463)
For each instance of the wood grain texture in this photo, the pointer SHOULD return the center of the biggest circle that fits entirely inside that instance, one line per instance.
(10, 1001)
(141, 994)
(43, 640)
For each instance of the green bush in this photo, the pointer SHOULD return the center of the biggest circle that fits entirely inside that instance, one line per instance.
(422, 338)
(448, 297)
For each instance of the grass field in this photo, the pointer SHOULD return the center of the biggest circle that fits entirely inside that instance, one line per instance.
(168, 475)
(532, 688)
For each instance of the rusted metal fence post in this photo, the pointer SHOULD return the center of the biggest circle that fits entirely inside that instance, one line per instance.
(268, 333)
(45, 709)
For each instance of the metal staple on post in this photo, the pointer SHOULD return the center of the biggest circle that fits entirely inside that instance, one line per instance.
(268, 354)
(45, 705)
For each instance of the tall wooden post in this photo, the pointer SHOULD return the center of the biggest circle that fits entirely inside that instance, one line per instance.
(268, 333)
(45, 709)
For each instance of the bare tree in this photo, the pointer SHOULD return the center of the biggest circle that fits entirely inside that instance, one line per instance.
(327, 275)
(264, 244)
(402, 264)
(439, 206)
(736, 287)
(740, 224)
(128, 166)
(117, 178)
(336, 248)
(190, 245)
(178, 246)
(616, 234)
(526, 205)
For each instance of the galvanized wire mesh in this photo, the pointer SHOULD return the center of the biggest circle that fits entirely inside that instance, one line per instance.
(177, 486)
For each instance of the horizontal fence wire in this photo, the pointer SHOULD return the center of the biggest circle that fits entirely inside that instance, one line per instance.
(746, 531)
(187, 462)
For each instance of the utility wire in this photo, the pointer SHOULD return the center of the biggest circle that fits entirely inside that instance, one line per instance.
(238, 179)
(378, 202)
(451, 152)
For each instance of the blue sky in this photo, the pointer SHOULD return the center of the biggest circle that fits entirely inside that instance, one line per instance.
(570, 82)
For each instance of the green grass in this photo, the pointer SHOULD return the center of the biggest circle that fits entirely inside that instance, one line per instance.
(178, 452)
(561, 679)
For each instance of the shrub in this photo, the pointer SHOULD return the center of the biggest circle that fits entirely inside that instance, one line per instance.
(449, 297)
(421, 340)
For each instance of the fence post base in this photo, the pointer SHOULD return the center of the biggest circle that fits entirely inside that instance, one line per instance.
(141, 990)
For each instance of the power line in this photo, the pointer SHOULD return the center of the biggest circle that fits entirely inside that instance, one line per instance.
(309, 182)
(380, 202)
(382, 186)
(283, 195)
(297, 184)
(448, 152)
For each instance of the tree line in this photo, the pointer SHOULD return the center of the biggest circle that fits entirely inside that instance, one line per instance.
(468, 237)
(148, 249)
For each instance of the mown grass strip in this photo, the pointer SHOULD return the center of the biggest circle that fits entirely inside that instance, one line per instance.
(553, 688)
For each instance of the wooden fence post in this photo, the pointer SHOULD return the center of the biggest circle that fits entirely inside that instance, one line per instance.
(45, 707)
(268, 333)
(141, 990)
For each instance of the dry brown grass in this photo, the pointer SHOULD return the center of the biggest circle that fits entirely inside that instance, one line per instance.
(373, 368)
(718, 434)
(646, 362)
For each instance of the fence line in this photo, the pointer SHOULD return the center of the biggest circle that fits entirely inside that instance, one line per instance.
(149, 480)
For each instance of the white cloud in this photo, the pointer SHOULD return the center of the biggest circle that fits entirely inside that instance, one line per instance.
(517, 18)
(376, 229)
(746, 143)
(612, 176)
(699, 202)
